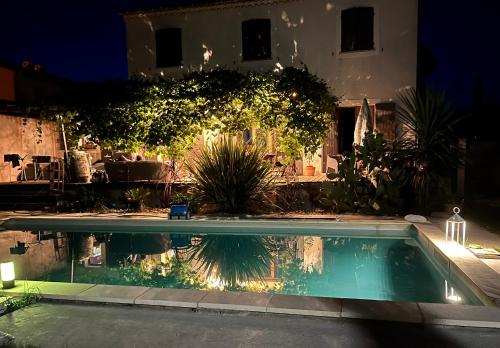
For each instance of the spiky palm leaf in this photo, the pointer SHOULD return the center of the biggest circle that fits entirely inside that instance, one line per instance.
(428, 121)
(234, 259)
(232, 174)
(428, 142)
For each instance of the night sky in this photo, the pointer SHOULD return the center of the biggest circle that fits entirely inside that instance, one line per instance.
(85, 40)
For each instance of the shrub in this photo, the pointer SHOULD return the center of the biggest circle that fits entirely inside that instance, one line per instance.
(92, 201)
(138, 197)
(368, 180)
(232, 175)
(429, 145)
(11, 304)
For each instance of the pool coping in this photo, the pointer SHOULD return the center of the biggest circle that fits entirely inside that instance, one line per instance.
(157, 225)
(324, 307)
(458, 262)
(461, 264)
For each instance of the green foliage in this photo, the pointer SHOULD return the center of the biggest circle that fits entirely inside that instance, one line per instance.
(180, 198)
(233, 259)
(90, 200)
(14, 303)
(291, 197)
(231, 174)
(295, 279)
(368, 180)
(429, 144)
(175, 273)
(166, 115)
(139, 196)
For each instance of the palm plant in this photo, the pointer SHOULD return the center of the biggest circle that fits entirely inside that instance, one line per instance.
(428, 142)
(234, 259)
(138, 196)
(231, 174)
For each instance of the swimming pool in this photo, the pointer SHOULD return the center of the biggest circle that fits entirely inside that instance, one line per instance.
(362, 261)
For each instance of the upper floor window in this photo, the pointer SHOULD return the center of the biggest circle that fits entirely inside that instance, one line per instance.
(256, 39)
(357, 29)
(168, 47)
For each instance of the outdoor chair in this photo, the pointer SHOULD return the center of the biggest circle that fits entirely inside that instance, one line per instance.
(332, 165)
(17, 161)
(278, 167)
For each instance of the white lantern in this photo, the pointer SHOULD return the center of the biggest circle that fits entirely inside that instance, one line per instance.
(7, 274)
(455, 228)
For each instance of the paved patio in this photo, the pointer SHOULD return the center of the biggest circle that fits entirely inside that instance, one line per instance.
(68, 325)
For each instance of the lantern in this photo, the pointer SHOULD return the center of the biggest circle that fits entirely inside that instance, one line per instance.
(455, 228)
(7, 274)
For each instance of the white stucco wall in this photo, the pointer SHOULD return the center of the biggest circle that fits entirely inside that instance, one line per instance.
(302, 31)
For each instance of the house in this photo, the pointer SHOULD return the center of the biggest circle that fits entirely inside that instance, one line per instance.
(362, 48)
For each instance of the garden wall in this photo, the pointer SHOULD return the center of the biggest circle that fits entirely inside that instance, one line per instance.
(21, 135)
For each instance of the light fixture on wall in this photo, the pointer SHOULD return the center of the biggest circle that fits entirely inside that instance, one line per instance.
(455, 228)
(7, 274)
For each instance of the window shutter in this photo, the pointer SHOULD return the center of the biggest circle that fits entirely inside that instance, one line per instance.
(385, 120)
(357, 29)
(168, 47)
(256, 39)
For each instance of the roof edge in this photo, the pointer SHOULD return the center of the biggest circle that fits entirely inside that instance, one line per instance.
(202, 7)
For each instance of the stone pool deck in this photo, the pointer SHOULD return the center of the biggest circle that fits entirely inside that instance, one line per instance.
(407, 312)
(92, 325)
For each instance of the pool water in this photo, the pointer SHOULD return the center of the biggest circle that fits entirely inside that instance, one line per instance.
(388, 268)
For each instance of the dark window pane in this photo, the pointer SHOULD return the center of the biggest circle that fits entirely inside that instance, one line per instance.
(256, 39)
(168, 47)
(357, 29)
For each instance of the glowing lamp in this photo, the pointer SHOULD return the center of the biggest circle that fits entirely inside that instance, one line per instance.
(7, 274)
(455, 228)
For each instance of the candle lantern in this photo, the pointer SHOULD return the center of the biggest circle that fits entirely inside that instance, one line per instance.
(455, 228)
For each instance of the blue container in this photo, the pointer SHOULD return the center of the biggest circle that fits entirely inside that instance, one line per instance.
(179, 211)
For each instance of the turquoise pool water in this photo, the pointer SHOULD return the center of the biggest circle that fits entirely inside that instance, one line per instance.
(331, 262)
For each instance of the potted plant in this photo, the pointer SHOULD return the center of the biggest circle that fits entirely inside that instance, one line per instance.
(309, 169)
(137, 198)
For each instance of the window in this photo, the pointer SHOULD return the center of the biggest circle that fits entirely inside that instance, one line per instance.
(256, 39)
(168, 47)
(357, 29)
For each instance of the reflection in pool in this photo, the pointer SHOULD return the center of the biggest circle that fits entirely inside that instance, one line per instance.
(347, 267)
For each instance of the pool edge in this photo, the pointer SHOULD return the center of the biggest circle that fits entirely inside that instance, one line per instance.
(461, 264)
(308, 306)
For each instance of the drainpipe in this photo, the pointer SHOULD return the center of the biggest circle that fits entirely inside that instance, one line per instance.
(419, 44)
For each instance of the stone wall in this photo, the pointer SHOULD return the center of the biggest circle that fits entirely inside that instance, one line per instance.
(20, 135)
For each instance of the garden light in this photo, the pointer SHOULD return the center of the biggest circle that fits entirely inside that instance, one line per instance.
(7, 274)
(455, 228)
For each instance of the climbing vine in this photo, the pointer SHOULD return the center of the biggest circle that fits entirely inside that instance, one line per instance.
(166, 115)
